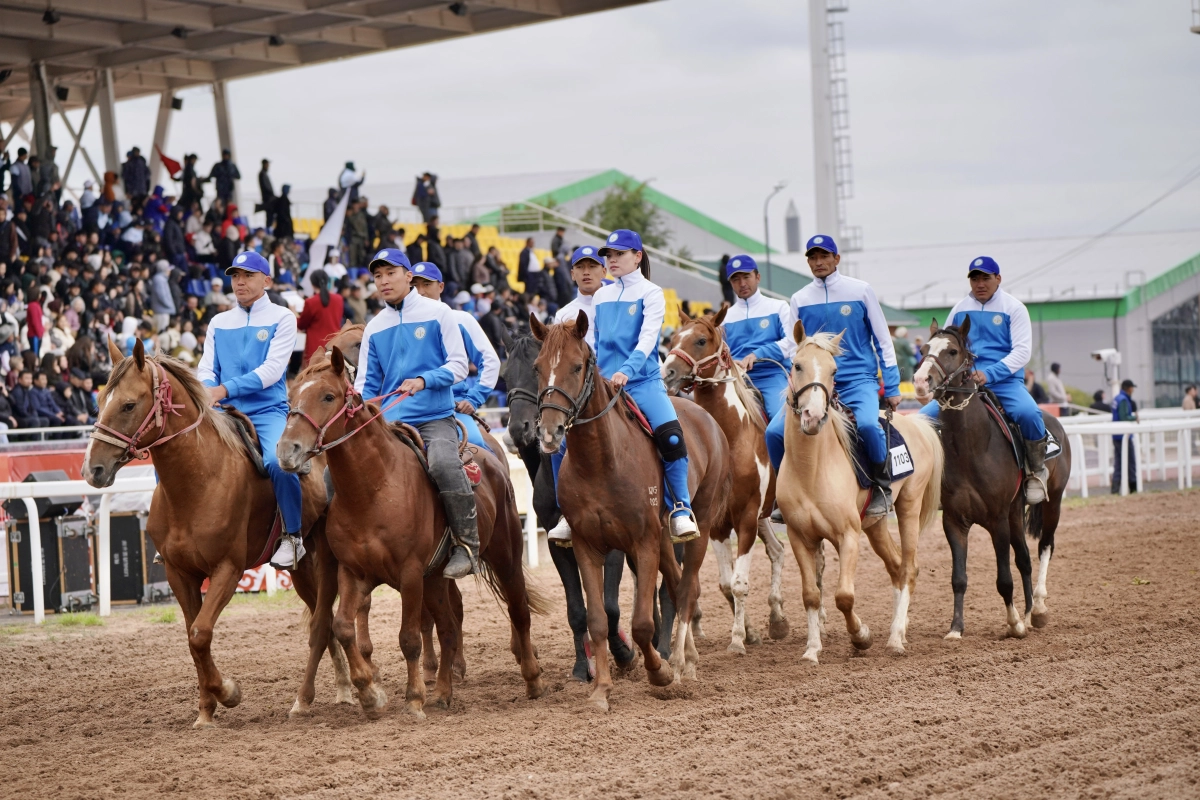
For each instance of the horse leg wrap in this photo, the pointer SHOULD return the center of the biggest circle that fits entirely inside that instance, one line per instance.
(668, 437)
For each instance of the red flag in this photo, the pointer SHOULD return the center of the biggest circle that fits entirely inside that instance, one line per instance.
(173, 166)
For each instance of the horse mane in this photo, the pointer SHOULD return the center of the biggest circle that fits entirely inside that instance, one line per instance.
(196, 391)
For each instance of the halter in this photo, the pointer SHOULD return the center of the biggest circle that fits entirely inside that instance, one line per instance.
(161, 406)
(944, 386)
(722, 356)
(580, 402)
(350, 410)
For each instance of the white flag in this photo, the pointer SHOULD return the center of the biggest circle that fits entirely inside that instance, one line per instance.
(327, 239)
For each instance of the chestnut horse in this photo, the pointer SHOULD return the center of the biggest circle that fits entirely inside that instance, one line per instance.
(700, 361)
(984, 484)
(385, 522)
(609, 488)
(820, 497)
(211, 513)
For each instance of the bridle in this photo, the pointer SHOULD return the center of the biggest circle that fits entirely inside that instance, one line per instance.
(161, 406)
(722, 356)
(794, 399)
(351, 405)
(577, 403)
(944, 387)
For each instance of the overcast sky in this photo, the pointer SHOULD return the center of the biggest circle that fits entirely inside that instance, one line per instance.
(970, 121)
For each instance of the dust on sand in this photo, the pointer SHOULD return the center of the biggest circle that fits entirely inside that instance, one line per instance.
(1100, 703)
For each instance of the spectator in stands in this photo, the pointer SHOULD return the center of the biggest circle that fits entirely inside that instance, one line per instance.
(1035, 388)
(223, 174)
(1189, 398)
(354, 306)
(43, 401)
(161, 301)
(8, 418)
(350, 181)
(322, 316)
(425, 197)
(904, 353)
(461, 261)
(416, 250)
(472, 239)
(35, 323)
(173, 244)
(560, 279)
(331, 202)
(135, 174)
(1124, 409)
(357, 233)
(284, 227)
(556, 243)
(382, 227)
(435, 253)
(193, 184)
(495, 329)
(267, 192)
(726, 287)
(497, 267)
(22, 177)
(1054, 386)
(529, 268)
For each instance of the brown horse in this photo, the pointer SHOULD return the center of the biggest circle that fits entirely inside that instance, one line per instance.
(700, 360)
(610, 464)
(211, 513)
(820, 497)
(386, 521)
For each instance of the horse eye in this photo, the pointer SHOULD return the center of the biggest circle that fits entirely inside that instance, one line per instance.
(329, 398)
(953, 352)
(798, 368)
(702, 342)
(127, 407)
(577, 369)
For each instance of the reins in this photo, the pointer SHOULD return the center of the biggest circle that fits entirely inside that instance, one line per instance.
(722, 356)
(944, 387)
(578, 403)
(350, 410)
(161, 407)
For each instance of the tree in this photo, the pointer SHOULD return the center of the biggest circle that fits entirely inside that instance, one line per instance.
(626, 206)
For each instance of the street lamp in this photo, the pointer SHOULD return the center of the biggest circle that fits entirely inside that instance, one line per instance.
(779, 187)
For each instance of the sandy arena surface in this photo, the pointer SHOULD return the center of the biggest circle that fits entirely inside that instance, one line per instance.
(1100, 703)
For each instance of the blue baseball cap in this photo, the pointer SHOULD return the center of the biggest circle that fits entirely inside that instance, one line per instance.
(427, 270)
(821, 242)
(393, 256)
(740, 263)
(586, 252)
(984, 264)
(251, 262)
(622, 240)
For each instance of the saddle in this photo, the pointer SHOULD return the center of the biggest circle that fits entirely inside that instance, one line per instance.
(1012, 432)
(900, 463)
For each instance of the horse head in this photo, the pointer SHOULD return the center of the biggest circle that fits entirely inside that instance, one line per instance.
(946, 360)
(348, 340)
(522, 383)
(322, 402)
(810, 383)
(696, 350)
(565, 373)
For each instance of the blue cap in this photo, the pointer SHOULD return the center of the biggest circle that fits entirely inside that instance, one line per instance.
(984, 264)
(740, 263)
(391, 255)
(587, 252)
(821, 242)
(622, 240)
(427, 270)
(251, 262)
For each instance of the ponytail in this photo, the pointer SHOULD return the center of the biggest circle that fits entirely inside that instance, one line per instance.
(320, 282)
(644, 265)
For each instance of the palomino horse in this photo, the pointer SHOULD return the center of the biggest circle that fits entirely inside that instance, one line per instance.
(610, 464)
(700, 360)
(983, 485)
(211, 513)
(820, 497)
(522, 384)
(386, 522)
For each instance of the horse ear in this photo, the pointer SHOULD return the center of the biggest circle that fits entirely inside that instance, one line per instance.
(581, 324)
(338, 362)
(798, 331)
(965, 328)
(683, 316)
(115, 353)
(139, 355)
(537, 328)
(720, 317)
(933, 326)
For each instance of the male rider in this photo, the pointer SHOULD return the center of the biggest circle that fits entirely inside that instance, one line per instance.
(473, 392)
(245, 362)
(414, 345)
(836, 303)
(1001, 337)
(587, 270)
(759, 332)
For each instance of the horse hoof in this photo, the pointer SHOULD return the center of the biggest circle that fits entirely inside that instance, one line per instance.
(689, 672)
(535, 688)
(203, 723)
(736, 647)
(663, 676)
(810, 656)
(862, 641)
(459, 671)
(345, 696)
(753, 636)
(580, 671)
(373, 699)
(599, 703)
(953, 636)
(300, 709)
(1039, 619)
(439, 704)
(415, 708)
(895, 649)
(1017, 631)
(779, 628)
(231, 693)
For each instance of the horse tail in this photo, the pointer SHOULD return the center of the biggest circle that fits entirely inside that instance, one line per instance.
(537, 600)
(1033, 521)
(931, 500)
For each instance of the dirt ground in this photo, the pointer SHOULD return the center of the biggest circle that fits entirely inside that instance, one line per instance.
(1100, 703)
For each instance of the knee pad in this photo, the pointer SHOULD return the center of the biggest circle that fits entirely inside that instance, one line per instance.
(669, 439)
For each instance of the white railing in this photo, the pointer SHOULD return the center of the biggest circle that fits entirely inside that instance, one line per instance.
(1150, 440)
(1144, 415)
(30, 491)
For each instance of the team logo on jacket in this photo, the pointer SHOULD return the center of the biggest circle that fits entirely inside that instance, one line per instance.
(632, 310)
(845, 311)
(419, 333)
(763, 323)
(996, 320)
(262, 335)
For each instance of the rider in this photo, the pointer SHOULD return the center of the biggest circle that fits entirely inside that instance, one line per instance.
(414, 345)
(629, 316)
(836, 303)
(245, 361)
(587, 270)
(473, 392)
(1001, 338)
(759, 331)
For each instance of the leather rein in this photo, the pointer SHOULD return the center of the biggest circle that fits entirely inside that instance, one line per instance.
(722, 356)
(944, 387)
(351, 405)
(162, 406)
(577, 403)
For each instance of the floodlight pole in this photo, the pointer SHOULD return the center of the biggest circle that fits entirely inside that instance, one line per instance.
(779, 187)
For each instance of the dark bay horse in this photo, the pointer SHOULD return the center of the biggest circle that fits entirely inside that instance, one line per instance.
(610, 489)
(522, 384)
(983, 481)
(211, 513)
(386, 521)
(700, 360)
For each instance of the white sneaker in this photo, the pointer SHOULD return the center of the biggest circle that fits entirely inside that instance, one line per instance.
(683, 528)
(289, 552)
(560, 534)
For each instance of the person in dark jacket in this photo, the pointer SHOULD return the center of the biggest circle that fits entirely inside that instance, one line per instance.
(136, 175)
(268, 194)
(556, 243)
(726, 287)
(472, 240)
(224, 173)
(173, 244)
(495, 330)
(43, 401)
(1124, 409)
(416, 250)
(436, 254)
(193, 188)
(284, 228)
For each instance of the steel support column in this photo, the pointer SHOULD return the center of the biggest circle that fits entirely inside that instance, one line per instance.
(225, 130)
(40, 102)
(106, 98)
(162, 128)
(823, 158)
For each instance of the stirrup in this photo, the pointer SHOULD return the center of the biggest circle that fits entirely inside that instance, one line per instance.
(289, 552)
(158, 558)
(1036, 477)
(560, 534)
(683, 528)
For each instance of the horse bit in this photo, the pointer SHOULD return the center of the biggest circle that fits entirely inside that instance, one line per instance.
(162, 406)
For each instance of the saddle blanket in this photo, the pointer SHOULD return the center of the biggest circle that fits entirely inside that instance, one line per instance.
(901, 459)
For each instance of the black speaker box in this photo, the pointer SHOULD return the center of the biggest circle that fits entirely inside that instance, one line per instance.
(47, 506)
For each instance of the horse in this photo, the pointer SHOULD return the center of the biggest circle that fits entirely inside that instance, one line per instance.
(986, 484)
(611, 462)
(522, 385)
(385, 524)
(699, 360)
(819, 494)
(211, 513)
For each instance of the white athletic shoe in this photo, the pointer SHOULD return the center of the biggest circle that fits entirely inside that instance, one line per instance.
(560, 534)
(289, 552)
(683, 528)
